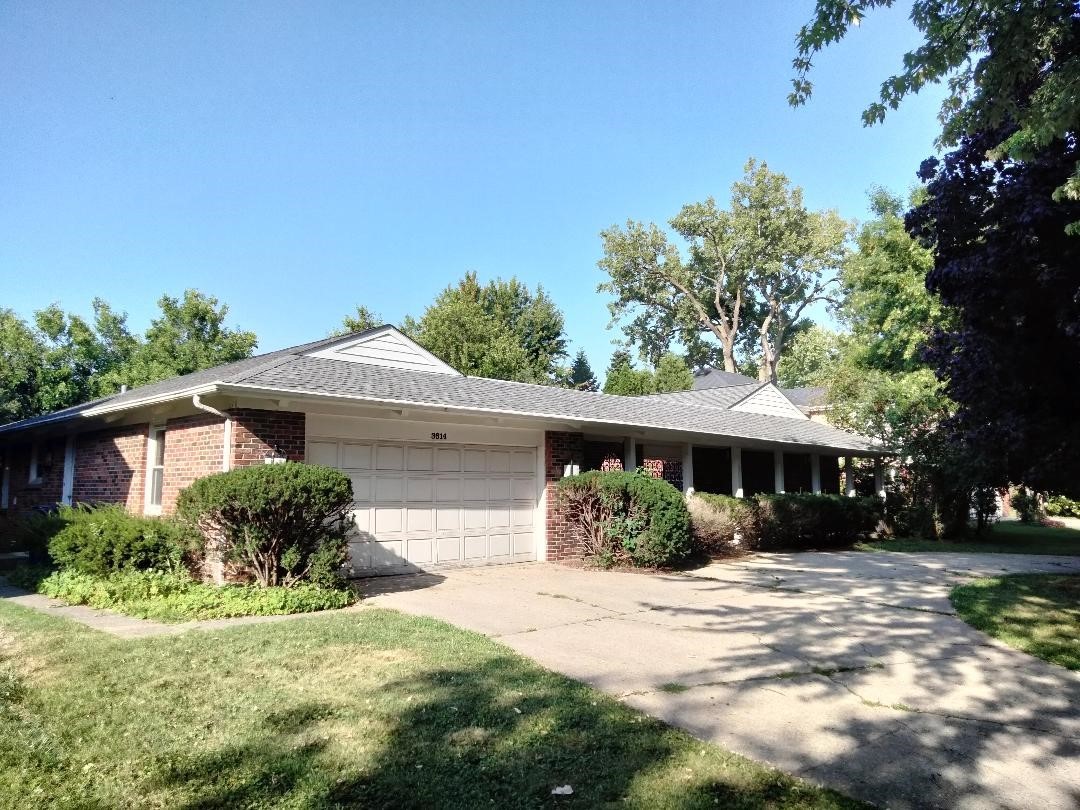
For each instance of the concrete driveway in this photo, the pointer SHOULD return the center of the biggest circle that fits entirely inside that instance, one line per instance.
(848, 669)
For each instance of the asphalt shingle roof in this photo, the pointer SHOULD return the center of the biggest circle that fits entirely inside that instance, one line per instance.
(715, 378)
(340, 378)
(290, 370)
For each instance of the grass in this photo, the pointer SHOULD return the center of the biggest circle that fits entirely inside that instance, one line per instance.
(1036, 613)
(1005, 538)
(368, 709)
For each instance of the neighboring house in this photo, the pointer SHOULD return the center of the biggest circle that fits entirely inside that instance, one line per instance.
(446, 469)
(810, 401)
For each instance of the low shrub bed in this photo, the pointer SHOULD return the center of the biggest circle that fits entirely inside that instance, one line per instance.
(722, 524)
(176, 597)
(627, 518)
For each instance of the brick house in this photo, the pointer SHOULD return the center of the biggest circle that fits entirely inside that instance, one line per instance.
(446, 469)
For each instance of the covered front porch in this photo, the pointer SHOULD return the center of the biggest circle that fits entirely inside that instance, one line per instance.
(740, 470)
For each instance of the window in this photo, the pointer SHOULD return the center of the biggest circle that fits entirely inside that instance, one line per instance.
(155, 469)
(35, 473)
(5, 485)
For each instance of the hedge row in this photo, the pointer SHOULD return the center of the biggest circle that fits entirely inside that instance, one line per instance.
(722, 524)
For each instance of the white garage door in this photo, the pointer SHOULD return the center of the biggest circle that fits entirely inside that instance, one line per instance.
(428, 505)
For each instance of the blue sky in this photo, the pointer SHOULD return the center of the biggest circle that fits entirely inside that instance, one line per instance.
(297, 159)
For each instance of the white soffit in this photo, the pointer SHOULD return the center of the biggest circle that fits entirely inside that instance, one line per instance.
(770, 401)
(386, 347)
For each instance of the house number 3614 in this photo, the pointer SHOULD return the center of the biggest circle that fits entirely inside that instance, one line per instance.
(441, 437)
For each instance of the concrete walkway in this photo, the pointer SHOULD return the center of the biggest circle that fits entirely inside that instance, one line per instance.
(129, 627)
(849, 669)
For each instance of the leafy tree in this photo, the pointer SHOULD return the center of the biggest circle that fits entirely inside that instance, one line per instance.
(811, 358)
(21, 353)
(189, 335)
(672, 374)
(1005, 266)
(751, 272)
(581, 374)
(363, 320)
(501, 330)
(1003, 61)
(622, 378)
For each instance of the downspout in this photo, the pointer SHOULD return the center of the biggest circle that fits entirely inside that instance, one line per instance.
(226, 444)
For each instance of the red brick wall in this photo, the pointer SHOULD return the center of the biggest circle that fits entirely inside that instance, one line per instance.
(559, 450)
(259, 434)
(194, 447)
(24, 496)
(110, 466)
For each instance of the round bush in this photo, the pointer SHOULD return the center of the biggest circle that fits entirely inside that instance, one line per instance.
(627, 517)
(282, 523)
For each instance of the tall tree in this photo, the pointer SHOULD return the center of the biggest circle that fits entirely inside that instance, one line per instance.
(1005, 265)
(501, 330)
(1003, 61)
(189, 335)
(21, 354)
(362, 320)
(581, 374)
(672, 374)
(752, 271)
(811, 358)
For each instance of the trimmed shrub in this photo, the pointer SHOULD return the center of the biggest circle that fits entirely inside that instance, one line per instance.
(281, 523)
(177, 597)
(621, 517)
(789, 521)
(32, 532)
(1027, 506)
(105, 539)
(1060, 506)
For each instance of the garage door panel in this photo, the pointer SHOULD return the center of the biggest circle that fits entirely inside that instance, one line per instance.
(418, 505)
(448, 459)
(475, 548)
(523, 544)
(474, 489)
(418, 519)
(499, 545)
(356, 456)
(389, 489)
(447, 518)
(448, 549)
(325, 453)
(421, 459)
(389, 457)
(419, 551)
(498, 489)
(420, 489)
(475, 461)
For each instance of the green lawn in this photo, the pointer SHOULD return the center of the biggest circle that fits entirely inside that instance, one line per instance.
(1036, 613)
(369, 708)
(1005, 538)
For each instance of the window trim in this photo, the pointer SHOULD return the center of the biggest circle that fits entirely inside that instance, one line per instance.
(34, 477)
(155, 436)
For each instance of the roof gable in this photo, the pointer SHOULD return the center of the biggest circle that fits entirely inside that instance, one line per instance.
(386, 347)
(715, 378)
(770, 401)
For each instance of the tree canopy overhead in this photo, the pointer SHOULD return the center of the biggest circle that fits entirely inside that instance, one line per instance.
(501, 330)
(752, 270)
(1004, 61)
(61, 359)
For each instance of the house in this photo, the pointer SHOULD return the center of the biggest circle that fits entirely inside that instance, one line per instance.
(446, 469)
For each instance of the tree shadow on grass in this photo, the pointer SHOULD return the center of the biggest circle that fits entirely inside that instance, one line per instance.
(492, 735)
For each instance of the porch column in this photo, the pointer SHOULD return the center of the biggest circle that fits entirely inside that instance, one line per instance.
(629, 454)
(815, 473)
(778, 471)
(879, 478)
(687, 468)
(849, 476)
(736, 472)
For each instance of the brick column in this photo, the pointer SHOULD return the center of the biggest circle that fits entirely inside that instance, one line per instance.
(259, 434)
(560, 449)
